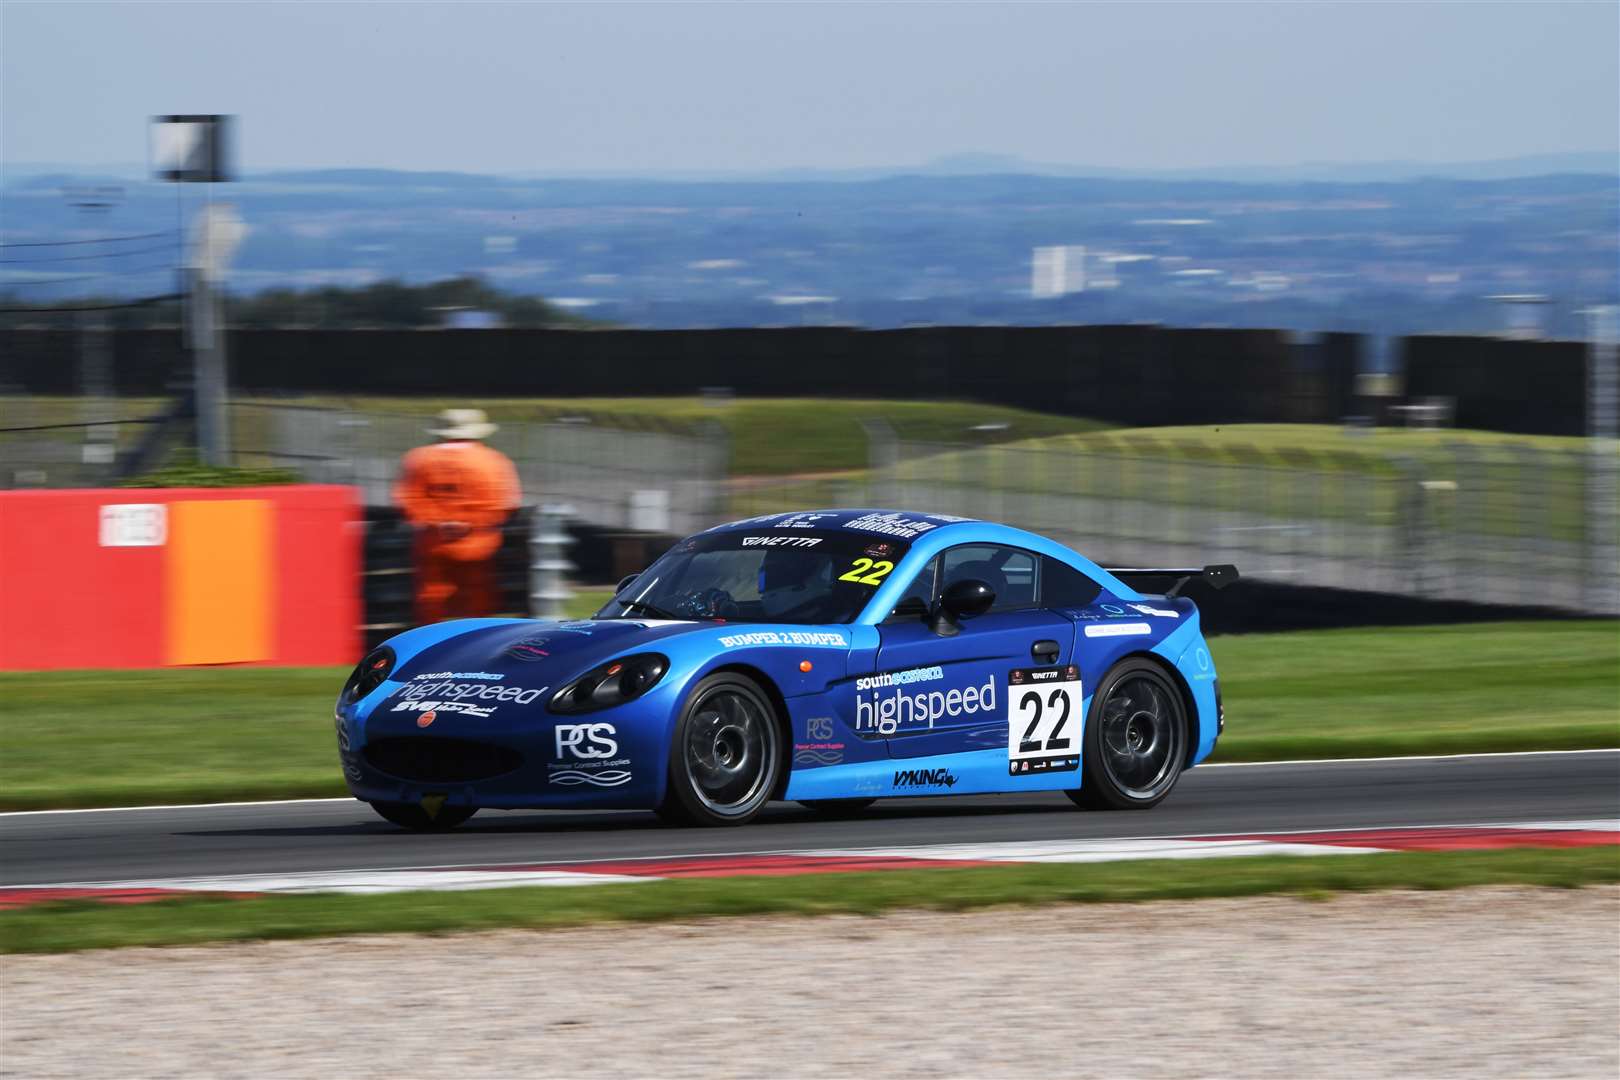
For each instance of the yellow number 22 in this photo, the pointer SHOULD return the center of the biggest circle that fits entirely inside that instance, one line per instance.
(858, 571)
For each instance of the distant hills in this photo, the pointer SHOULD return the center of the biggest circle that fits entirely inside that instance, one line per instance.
(963, 164)
(1381, 248)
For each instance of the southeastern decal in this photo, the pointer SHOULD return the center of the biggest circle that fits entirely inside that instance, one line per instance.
(1144, 609)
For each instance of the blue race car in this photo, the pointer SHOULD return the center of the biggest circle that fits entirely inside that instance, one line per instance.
(832, 657)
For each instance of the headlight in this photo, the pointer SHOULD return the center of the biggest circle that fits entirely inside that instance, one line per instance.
(368, 675)
(612, 683)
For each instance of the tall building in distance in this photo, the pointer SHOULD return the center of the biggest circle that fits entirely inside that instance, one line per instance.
(1057, 271)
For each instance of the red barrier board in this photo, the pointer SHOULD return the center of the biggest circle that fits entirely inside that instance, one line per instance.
(154, 577)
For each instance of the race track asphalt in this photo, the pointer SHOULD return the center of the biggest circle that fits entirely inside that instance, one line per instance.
(109, 845)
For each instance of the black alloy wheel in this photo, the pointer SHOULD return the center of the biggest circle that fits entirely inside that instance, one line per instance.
(1135, 740)
(727, 754)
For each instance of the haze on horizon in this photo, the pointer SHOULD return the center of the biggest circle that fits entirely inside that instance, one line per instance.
(769, 86)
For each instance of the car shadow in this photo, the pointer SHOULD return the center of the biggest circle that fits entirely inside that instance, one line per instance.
(540, 822)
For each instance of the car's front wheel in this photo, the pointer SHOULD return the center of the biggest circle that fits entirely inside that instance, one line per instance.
(727, 754)
(416, 817)
(1135, 741)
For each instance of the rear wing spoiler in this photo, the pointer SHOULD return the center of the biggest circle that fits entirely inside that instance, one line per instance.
(1216, 577)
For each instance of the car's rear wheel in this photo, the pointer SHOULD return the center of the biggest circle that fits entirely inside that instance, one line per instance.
(727, 754)
(416, 817)
(836, 807)
(1135, 741)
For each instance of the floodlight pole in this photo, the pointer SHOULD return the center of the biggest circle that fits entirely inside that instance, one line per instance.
(1602, 429)
(188, 149)
(209, 378)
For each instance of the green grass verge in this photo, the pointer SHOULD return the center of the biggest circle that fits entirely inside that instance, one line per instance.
(1420, 690)
(110, 738)
(69, 926)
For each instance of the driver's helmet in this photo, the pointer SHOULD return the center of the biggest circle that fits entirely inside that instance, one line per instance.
(790, 576)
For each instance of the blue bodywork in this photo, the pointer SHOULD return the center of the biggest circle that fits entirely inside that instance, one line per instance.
(481, 688)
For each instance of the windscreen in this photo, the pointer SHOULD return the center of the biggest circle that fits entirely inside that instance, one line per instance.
(773, 575)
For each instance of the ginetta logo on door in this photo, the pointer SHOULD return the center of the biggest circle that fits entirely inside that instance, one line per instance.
(587, 742)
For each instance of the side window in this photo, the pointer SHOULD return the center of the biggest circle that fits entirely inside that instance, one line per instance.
(920, 590)
(1010, 572)
(1062, 586)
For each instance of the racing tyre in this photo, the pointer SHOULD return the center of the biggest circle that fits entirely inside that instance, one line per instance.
(1135, 740)
(727, 755)
(836, 807)
(411, 816)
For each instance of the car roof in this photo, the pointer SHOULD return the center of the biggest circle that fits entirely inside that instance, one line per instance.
(901, 524)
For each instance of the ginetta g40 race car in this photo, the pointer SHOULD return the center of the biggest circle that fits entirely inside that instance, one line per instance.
(832, 657)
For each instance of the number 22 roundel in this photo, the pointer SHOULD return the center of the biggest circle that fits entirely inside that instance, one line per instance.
(1043, 719)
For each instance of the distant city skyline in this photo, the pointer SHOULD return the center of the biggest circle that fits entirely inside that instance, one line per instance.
(717, 88)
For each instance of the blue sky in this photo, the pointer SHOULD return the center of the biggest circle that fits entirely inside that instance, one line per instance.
(673, 86)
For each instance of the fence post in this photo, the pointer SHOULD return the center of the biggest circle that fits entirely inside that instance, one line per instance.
(882, 462)
(1602, 515)
(548, 590)
(1411, 525)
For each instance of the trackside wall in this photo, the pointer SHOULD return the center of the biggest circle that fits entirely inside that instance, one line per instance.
(166, 577)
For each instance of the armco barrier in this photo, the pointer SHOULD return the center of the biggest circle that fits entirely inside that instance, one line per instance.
(159, 577)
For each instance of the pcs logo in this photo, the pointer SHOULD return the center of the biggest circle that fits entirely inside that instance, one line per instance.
(586, 742)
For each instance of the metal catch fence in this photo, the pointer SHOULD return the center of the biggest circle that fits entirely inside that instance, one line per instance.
(1504, 523)
(666, 480)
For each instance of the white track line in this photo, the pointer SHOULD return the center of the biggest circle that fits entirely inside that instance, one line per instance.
(1206, 765)
(473, 876)
(485, 865)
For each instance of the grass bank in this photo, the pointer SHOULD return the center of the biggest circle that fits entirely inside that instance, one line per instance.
(70, 926)
(110, 738)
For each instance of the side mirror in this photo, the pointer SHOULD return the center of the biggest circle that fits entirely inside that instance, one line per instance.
(962, 600)
(624, 583)
(967, 598)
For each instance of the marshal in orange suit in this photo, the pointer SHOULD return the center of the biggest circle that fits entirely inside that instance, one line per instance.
(456, 494)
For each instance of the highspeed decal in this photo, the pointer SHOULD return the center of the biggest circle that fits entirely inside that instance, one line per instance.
(784, 637)
(898, 712)
(454, 691)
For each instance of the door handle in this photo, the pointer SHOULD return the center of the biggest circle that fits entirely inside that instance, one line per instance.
(1044, 652)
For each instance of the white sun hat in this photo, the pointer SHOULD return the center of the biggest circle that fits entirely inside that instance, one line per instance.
(463, 424)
